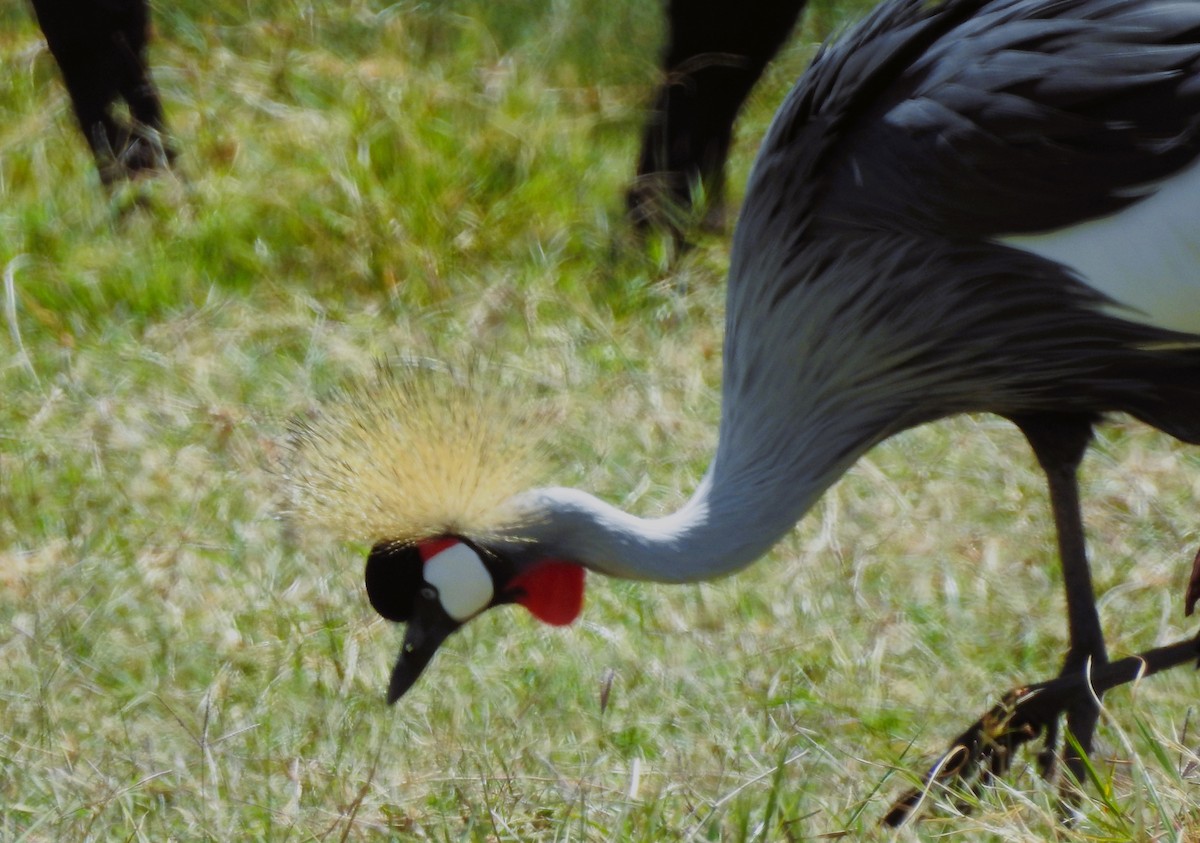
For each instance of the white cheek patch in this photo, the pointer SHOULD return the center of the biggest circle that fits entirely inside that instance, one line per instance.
(463, 583)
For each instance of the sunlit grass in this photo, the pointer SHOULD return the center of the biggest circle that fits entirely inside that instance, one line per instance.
(361, 179)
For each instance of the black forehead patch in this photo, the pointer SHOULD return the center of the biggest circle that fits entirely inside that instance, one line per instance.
(393, 578)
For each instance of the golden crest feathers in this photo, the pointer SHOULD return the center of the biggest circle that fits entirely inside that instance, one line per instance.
(416, 451)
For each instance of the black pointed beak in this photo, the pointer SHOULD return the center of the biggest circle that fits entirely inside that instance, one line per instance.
(428, 627)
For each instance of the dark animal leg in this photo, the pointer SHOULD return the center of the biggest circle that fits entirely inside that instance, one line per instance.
(147, 148)
(100, 47)
(92, 94)
(715, 53)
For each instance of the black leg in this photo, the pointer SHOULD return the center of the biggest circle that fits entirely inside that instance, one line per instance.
(716, 51)
(1059, 442)
(987, 747)
(147, 148)
(100, 47)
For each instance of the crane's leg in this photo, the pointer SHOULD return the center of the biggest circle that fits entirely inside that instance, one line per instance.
(1059, 442)
(987, 747)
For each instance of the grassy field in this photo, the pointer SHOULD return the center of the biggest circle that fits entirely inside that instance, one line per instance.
(440, 179)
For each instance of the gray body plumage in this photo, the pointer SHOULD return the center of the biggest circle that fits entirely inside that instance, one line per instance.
(874, 282)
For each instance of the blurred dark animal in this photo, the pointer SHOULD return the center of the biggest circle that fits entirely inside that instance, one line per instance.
(100, 47)
(712, 60)
(716, 51)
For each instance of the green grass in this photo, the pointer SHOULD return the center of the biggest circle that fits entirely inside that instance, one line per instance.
(360, 179)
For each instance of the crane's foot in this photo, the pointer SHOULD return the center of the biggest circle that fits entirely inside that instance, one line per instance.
(986, 749)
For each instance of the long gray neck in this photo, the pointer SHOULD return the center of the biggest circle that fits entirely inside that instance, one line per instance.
(695, 543)
(734, 518)
(801, 402)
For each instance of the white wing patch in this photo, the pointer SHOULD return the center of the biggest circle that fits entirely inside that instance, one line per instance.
(463, 582)
(1145, 257)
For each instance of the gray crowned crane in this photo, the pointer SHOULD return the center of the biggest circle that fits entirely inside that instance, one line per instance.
(962, 207)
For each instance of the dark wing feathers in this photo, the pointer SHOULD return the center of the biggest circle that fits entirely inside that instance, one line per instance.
(976, 118)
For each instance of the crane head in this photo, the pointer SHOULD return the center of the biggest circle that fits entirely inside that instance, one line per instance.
(437, 585)
(422, 463)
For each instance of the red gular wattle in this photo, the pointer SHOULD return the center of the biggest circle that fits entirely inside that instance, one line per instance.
(552, 591)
